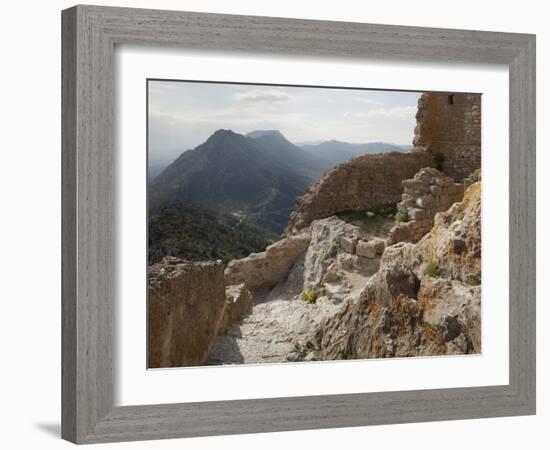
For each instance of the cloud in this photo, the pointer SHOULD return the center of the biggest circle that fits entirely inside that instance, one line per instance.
(369, 101)
(262, 95)
(389, 112)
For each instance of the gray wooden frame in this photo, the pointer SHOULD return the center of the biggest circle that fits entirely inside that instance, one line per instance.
(89, 36)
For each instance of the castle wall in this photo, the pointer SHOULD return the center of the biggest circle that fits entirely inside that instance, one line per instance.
(367, 182)
(428, 193)
(449, 126)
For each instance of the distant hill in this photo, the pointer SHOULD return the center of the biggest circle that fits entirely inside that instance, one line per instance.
(192, 232)
(257, 178)
(155, 167)
(337, 152)
(275, 146)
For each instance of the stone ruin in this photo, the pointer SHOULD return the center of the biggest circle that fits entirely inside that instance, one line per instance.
(192, 305)
(424, 195)
(366, 182)
(449, 127)
(447, 138)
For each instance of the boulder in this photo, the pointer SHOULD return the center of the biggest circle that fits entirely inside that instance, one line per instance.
(264, 270)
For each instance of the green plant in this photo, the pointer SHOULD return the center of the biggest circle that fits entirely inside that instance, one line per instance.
(310, 296)
(401, 217)
(324, 292)
(473, 281)
(319, 337)
(431, 269)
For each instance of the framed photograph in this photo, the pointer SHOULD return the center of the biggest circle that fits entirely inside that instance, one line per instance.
(278, 224)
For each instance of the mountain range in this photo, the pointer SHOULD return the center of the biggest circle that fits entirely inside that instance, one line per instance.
(245, 183)
(255, 177)
(337, 152)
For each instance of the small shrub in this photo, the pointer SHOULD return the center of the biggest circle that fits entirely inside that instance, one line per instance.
(319, 338)
(310, 296)
(324, 292)
(473, 281)
(401, 217)
(431, 269)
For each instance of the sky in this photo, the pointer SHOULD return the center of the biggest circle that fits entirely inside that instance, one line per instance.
(182, 115)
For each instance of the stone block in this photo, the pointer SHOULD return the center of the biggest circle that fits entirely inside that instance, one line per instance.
(366, 249)
(425, 202)
(416, 214)
(348, 244)
(379, 246)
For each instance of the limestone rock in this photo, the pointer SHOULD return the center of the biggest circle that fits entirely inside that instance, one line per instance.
(327, 260)
(407, 310)
(186, 301)
(238, 303)
(266, 269)
(370, 249)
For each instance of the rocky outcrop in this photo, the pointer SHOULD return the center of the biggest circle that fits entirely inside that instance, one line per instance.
(424, 300)
(368, 182)
(428, 193)
(238, 303)
(186, 304)
(449, 126)
(264, 270)
(286, 321)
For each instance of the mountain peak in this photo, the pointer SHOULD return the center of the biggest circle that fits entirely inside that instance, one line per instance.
(261, 133)
(222, 135)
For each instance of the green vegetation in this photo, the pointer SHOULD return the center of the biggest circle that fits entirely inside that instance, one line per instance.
(401, 217)
(196, 233)
(319, 337)
(431, 269)
(310, 296)
(473, 281)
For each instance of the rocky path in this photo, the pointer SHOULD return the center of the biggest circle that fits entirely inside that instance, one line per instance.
(277, 330)
(282, 326)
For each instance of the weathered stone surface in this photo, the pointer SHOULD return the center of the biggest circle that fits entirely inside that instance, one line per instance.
(451, 130)
(264, 270)
(379, 246)
(186, 302)
(282, 326)
(428, 193)
(238, 303)
(348, 244)
(367, 182)
(277, 331)
(408, 310)
(366, 249)
(326, 251)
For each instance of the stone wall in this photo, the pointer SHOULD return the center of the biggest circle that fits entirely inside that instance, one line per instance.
(449, 126)
(186, 304)
(428, 193)
(367, 182)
